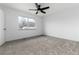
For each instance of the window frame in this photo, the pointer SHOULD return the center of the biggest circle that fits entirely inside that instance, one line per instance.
(26, 27)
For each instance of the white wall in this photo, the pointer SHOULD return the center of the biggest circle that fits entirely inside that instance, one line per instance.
(11, 20)
(63, 23)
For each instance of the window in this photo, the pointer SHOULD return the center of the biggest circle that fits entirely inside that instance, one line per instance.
(26, 23)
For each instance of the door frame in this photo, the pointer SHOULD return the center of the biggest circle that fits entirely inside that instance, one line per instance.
(2, 41)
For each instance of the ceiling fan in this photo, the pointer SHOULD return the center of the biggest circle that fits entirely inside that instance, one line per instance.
(38, 8)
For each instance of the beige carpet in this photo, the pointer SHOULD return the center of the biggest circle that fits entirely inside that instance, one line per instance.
(43, 45)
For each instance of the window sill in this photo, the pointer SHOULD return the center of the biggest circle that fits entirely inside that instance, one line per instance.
(30, 28)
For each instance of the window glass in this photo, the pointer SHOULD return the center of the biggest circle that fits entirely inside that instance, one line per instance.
(26, 23)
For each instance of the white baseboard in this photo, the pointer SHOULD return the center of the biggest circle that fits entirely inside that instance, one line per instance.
(23, 38)
(62, 37)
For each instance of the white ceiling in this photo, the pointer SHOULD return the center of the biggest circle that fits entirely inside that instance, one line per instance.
(54, 7)
(26, 6)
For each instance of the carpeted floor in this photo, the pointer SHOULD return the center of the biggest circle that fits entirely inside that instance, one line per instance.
(42, 45)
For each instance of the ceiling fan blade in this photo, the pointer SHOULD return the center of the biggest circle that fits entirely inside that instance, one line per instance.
(36, 5)
(43, 11)
(37, 12)
(33, 9)
(45, 8)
